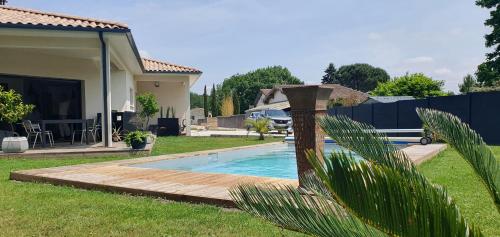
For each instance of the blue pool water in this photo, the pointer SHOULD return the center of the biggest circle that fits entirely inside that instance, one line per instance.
(268, 161)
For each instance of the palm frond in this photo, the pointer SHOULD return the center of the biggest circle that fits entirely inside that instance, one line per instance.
(388, 200)
(469, 144)
(289, 208)
(366, 142)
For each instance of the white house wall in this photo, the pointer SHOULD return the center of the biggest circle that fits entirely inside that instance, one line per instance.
(168, 94)
(24, 62)
(122, 83)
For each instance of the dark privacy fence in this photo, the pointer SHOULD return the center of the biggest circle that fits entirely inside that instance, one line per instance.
(480, 110)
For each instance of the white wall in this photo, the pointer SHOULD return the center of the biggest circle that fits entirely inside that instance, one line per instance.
(121, 84)
(174, 94)
(24, 62)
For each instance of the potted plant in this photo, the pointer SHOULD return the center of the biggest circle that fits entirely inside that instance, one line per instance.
(149, 107)
(168, 126)
(12, 109)
(136, 139)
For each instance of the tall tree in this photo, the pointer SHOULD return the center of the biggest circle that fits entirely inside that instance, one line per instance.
(213, 102)
(196, 100)
(489, 71)
(467, 85)
(248, 85)
(361, 76)
(205, 101)
(236, 103)
(417, 85)
(330, 76)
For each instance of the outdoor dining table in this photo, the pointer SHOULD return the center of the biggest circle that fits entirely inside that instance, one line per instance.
(83, 122)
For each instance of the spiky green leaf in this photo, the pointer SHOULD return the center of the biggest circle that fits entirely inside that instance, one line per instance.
(469, 144)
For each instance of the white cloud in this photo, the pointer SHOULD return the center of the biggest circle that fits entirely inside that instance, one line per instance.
(419, 60)
(144, 53)
(374, 36)
(442, 71)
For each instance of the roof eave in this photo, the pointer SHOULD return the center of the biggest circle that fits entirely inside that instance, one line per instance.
(61, 28)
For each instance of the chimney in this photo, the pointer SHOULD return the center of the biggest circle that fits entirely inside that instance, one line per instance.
(3, 2)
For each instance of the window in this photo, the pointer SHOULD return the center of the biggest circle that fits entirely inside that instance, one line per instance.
(132, 101)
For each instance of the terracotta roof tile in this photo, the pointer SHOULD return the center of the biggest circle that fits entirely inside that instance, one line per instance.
(151, 65)
(26, 17)
(338, 92)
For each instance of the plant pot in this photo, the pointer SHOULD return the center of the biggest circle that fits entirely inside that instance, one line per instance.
(168, 127)
(14, 144)
(136, 145)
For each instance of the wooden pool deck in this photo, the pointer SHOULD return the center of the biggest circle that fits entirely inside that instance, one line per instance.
(118, 176)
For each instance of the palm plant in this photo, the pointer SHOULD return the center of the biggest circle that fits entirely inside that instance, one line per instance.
(382, 194)
(260, 126)
(469, 145)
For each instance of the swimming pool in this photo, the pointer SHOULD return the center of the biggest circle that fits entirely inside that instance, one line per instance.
(277, 160)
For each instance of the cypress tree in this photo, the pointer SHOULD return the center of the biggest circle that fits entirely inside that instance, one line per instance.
(213, 102)
(205, 101)
(236, 103)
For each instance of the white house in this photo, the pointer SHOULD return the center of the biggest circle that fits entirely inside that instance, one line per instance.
(76, 67)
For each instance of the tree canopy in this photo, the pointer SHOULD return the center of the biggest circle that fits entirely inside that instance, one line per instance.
(361, 76)
(469, 82)
(417, 85)
(247, 85)
(489, 72)
(196, 100)
(330, 76)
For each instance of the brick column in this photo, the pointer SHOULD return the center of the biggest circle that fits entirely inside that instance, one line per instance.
(307, 103)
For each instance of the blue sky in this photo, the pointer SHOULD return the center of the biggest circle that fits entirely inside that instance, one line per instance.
(441, 38)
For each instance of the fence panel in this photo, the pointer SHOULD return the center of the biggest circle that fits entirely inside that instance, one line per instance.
(457, 105)
(363, 113)
(347, 111)
(385, 115)
(480, 110)
(485, 116)
(407, 114)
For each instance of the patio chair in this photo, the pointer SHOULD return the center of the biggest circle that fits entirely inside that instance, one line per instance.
(92, 128)
(34, 129)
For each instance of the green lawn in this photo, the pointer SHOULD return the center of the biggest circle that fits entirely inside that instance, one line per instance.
(453, 172)
(170, 145)
(29, 209)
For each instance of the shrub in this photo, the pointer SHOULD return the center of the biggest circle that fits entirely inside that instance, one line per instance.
(12, 108)
(135, 136)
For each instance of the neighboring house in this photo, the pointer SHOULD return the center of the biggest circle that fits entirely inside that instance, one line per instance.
(386, 99)
(76, 67)
(259, 99)
(196, 115)
(276, 99)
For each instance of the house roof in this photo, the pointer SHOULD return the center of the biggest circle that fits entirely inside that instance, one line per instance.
(338, 92)
(155, 66)
(279, 106)
(31, 18)
(265, 91)
(18, 17)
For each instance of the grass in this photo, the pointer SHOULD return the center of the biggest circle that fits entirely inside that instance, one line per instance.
(454, 173)
(170, 145)
(29, 209)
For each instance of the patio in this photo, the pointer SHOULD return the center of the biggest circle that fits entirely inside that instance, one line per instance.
(92, 150)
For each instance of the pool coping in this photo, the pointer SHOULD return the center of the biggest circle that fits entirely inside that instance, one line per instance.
(196, 187)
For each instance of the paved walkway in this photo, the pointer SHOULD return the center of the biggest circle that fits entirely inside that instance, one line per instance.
(119, 176)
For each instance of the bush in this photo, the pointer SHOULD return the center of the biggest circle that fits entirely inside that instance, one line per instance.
(135, 137)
